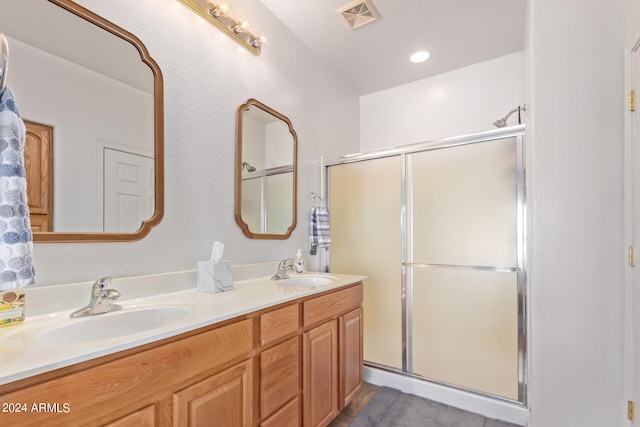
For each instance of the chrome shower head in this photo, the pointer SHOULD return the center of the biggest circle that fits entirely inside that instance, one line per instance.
(500, 123)
(248, 167)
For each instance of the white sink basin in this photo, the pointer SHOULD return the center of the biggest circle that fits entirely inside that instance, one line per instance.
(307, 281)
(113, 325)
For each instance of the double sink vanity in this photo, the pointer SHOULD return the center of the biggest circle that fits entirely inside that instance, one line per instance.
(268, 353)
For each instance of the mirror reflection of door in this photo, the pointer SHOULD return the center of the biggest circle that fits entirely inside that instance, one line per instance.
(128, 190)
(38, 162)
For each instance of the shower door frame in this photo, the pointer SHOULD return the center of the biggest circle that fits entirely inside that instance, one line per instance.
(517, 132)
(263, 175)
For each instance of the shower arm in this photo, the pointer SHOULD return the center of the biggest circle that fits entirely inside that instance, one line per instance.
(510, 113)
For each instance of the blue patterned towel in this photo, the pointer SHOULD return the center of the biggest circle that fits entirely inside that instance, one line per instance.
(319, 236)
(16, 242)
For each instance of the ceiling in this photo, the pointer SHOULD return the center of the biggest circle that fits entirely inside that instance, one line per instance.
(375, 56)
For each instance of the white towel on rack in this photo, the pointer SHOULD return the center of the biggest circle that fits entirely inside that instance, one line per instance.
(319, 230)
(16, 241)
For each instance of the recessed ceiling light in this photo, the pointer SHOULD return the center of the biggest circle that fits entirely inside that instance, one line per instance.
(419, 57)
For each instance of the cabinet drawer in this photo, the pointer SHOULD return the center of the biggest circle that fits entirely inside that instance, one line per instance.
(288, 416)
(145, 417)
(279, 375)
(327, 306)
(279, 323)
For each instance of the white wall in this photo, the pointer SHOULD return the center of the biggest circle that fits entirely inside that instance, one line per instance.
(253, 153)
(459, 102)
(572, 78)
(278, 149)
(207, 76)
(575, 172)
(633, 19)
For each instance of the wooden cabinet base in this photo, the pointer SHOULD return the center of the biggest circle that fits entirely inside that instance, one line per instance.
(113, 390)
(295, 364)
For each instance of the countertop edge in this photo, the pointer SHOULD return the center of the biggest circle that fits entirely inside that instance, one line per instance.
(144, 338)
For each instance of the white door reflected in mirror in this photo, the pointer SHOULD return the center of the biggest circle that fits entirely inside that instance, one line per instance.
(128, 191)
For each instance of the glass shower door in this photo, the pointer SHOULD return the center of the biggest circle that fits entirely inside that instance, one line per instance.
(462, 266)
(364, 212)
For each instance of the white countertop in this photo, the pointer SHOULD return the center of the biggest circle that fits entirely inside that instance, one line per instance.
(22, 355)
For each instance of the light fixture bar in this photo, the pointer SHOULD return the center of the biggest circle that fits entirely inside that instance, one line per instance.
(218, 15)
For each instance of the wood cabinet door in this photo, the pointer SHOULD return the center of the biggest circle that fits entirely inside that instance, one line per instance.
(351, 356)
(320, 374)
(38, 163)
(224, 399)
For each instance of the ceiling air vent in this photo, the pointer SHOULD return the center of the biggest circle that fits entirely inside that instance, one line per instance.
(358, 13)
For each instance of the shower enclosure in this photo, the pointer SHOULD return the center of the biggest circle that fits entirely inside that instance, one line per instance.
(438, 228)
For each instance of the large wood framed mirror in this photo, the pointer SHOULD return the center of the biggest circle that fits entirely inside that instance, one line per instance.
(266, 172)
(98, 94)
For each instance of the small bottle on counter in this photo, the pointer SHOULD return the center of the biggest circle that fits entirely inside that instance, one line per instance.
(299, 262)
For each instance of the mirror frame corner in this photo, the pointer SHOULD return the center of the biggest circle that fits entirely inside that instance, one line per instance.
(238, 172)
(158, 108)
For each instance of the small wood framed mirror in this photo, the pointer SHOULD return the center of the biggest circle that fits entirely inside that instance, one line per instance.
(266, 172)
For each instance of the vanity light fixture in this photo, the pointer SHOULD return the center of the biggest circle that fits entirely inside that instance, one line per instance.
(218, 14)
(419, 57)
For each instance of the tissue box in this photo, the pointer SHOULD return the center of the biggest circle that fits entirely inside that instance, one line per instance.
(215, 276)
(11, 308)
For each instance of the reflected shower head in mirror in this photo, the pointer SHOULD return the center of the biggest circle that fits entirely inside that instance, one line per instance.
(248, 167)
(500, 123)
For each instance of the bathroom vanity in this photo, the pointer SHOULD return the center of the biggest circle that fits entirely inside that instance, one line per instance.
(294, 359)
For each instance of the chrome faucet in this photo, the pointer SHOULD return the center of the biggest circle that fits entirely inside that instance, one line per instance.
(101, 297)
(283, 267)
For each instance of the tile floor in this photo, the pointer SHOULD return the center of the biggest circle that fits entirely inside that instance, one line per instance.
(353, 409)
(430, 414)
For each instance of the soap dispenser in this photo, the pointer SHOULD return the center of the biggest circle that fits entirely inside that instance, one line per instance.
(299, 262)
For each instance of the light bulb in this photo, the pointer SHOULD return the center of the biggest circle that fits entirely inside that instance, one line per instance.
(258, 41)
(419, 57)
(240, 27)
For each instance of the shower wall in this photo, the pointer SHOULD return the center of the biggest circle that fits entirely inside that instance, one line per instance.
(437, 228)
(460, 102)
